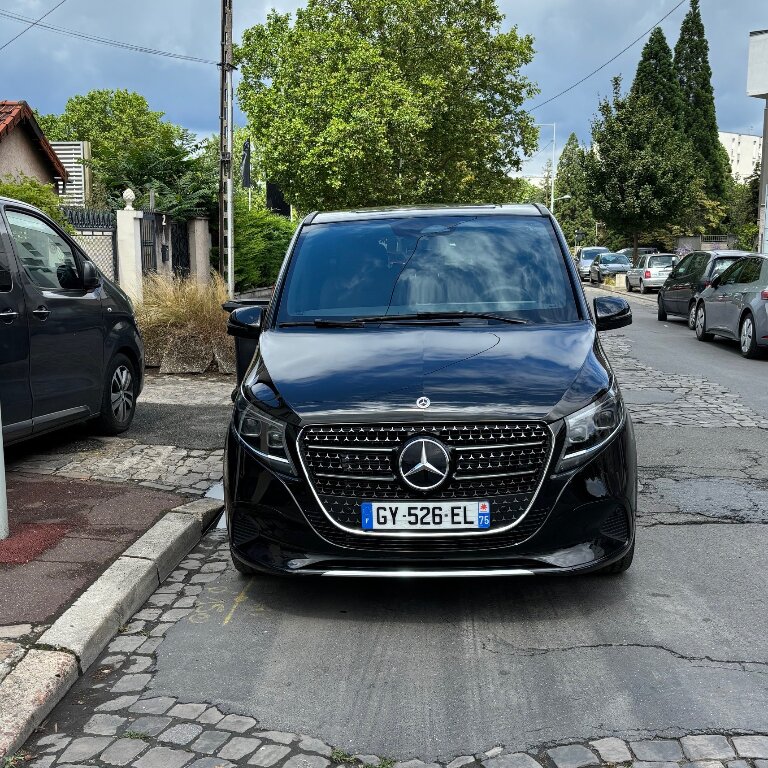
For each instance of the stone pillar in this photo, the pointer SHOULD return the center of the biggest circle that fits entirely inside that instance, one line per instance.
(129, 248)
(199, 250)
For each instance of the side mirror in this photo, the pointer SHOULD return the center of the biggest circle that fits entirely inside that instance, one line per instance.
(715, 281)
(245, 322)
(612, 312)
(91, 278)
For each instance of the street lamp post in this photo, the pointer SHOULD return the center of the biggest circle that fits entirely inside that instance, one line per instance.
(554, 147)
(557, 200)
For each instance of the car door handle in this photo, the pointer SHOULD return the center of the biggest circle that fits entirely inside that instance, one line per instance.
(41, 312)
(8, 315)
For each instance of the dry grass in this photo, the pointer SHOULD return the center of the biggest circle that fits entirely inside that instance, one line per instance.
(177, 309)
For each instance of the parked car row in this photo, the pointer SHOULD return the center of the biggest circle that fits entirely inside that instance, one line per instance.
(605, 264)
(721, 293)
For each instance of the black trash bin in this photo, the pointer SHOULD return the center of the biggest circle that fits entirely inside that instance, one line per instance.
(244, 347)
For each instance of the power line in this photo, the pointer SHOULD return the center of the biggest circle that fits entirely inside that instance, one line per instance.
(603, 66)
(32, 23)
(101, 40)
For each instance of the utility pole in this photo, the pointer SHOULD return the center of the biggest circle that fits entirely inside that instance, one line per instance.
(226, 213)
(553, 126)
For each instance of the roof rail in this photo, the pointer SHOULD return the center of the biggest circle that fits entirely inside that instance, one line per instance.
(542, 209)
(310, 217)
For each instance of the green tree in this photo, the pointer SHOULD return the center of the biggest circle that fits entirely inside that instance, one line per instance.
(361, 102)
(743, 209)
(656, 79)
(132, 146)
(574, 214)
(34, 192)
(699, 117)
(639, 171)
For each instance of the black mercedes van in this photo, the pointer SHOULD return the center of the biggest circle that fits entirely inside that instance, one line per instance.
(70, 349)
(429, 397)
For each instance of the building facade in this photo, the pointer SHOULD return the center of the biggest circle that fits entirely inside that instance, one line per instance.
(75, 157)
(744, 152)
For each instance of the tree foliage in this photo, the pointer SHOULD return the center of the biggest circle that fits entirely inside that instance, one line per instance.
(574, 214)
(133, 146)
(639, 171)
(743, 209)
(694, 75)
(362, 102)
(34, 192)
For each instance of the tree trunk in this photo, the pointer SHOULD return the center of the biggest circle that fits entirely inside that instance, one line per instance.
(635, 239)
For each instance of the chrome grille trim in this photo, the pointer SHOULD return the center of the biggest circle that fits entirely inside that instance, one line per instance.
(460, 427)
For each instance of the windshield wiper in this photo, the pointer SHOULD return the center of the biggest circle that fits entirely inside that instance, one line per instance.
(440, 316)
(321, 323)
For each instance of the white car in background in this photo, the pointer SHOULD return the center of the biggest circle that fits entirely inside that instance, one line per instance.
(650, 271)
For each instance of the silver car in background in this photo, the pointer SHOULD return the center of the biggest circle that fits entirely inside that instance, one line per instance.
(586, 257)
(735, 306)
(650, 271)
(605, 264)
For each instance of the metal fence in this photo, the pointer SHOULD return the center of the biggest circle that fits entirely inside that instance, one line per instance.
(96, 233)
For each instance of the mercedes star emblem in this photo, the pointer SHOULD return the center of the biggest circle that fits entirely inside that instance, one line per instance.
(423, 402)
(424, 463)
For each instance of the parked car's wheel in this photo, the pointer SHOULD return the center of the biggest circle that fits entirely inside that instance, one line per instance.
(643, 289)
(118, 404)
(747, 337)
(629, 286)
(692, 316)
(620, 565)
(701, 324)
(661, 313)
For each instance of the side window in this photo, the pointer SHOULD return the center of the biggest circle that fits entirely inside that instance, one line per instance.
(43, 253)
(700, 264)
(732, 275)
(684, 265)
(751, 271)
(6, 279)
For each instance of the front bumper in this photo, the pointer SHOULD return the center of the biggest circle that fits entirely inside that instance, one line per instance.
(580, 521)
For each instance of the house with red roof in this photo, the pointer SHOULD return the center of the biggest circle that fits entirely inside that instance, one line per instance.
(24, 150)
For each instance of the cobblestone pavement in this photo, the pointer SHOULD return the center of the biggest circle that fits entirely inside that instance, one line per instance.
(113, 718)
(123, 459)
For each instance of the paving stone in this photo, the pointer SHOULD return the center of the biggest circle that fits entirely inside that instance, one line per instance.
(761, 763)
(236, 723)
(308, 744)
(737, 764)
(306, 761)
(162, 757)
(160, 630)
(189, 590)
(103, 725)
(156, 706)
(176, 614)
(513, 760)
(708, 747)
(704, 764)
(170, 588)
(188, 711)
(213, 567)
(572, 756)
(123, 751)
(84, 748)
(151, 725)
(121, 702)
(185, 602)
(43, 762)
(210, 716)
(125, 644)
(209, 741)
(459, 762)
(203, 578)
(281, 737)
(645, 764)
(657, 750)
(411, 764)
(495, 752)
(368, 759)
(268, 755)
(751, 746)
(150, 645)
(182, 733)
(138, 664)
(54, 742)
(129, 683)
(212, 762)
(612, 750)
(239, 747)
(148, 614)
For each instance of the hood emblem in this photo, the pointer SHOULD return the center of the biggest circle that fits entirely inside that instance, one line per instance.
(424, 463)
(423, 402)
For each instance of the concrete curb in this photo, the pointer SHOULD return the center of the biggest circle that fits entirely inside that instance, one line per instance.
(75, 640)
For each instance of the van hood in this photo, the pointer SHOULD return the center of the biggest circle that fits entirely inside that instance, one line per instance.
(497, 371)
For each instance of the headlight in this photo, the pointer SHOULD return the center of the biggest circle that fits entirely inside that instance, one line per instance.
(591, 428)
(265, 436)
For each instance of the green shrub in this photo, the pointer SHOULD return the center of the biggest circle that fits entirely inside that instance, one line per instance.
(34, 192)
(261, 240)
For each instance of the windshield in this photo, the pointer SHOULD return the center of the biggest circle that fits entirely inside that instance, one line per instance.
(589, 254)
(614, 258)
(506, 265)
(661, 261)
(722, 264)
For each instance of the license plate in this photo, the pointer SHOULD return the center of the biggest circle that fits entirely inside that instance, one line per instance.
(425, 515)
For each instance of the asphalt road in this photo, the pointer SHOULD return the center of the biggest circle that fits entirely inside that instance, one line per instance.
(677, 645)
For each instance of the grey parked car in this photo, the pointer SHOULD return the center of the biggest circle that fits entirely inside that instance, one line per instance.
(735, 306)
(650, 271)
(586, 257)
(608, 264)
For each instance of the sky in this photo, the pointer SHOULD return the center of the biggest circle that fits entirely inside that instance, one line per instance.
(572, 37)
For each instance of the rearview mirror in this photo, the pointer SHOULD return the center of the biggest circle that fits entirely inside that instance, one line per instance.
(612, 312)
(91, 277)
(715, 281)
(245, 322)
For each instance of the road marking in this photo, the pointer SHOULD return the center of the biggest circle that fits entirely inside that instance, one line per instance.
(242, 597)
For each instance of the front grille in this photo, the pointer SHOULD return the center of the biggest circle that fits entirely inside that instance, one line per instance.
(348, 464)
(616, 525)
(244, 529)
